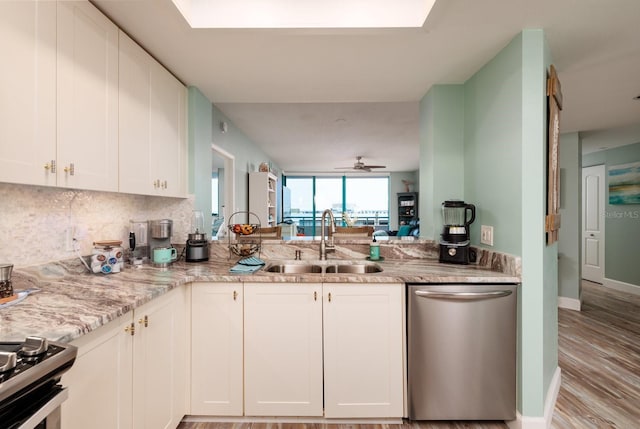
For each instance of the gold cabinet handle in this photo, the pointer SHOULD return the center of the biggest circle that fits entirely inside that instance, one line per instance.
(235, 295)
(164, 185)
(144, 321)
(329, 296)
(51, 166)
(71, 169)
(130, 329)
(156, 184)
(315, 295)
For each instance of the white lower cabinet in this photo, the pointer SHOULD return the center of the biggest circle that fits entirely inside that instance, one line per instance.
(122, 380)
(216, 349)
(363, 342)
(101, 379)
(160, 364)
(283, 349)
(339, 342)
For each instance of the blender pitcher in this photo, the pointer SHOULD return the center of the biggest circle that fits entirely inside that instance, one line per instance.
(457, 216)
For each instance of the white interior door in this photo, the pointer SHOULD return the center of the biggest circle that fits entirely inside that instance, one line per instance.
(593, 179)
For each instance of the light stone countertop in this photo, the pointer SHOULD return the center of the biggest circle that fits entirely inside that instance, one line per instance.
(72, 302)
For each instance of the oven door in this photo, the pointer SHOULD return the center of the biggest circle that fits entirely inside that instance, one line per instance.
(39, 410)
(48, 415)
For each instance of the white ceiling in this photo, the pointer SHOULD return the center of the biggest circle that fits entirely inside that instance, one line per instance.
(313, 99)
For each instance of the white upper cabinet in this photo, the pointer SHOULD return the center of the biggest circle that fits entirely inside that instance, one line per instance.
(152, 112)
(28, 92)
(87, 99)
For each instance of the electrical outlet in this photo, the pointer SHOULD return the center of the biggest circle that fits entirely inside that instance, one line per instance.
(486, 235)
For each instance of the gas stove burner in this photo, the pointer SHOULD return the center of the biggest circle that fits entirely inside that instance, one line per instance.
(29, 374)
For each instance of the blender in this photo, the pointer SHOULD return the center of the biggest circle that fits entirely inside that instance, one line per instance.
(454, 243)
(197, 249)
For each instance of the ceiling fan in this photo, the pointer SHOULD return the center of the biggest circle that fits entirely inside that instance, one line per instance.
(361, 166)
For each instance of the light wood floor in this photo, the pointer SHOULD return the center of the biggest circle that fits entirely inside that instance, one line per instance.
(599, 354)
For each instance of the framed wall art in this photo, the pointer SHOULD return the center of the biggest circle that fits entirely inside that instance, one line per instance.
(624, 183)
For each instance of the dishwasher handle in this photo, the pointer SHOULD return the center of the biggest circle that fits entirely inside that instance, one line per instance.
(462, 295)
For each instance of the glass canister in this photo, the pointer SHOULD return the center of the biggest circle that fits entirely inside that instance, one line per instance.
(6, 288)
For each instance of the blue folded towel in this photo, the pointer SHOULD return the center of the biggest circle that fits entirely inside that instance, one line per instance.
(252, 261)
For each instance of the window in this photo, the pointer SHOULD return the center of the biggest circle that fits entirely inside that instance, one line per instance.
(364, 199)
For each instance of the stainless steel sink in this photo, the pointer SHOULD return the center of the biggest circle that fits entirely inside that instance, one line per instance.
(294, 268)
(353, 269)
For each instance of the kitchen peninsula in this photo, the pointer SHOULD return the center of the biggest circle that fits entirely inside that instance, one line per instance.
(133, 325)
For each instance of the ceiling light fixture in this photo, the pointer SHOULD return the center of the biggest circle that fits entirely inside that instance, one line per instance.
(305, 14)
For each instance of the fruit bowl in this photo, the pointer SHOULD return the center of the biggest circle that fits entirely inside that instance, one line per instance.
(244, 249)
(243, 228)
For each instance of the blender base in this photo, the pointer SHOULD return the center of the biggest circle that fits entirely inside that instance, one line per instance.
(452, 253)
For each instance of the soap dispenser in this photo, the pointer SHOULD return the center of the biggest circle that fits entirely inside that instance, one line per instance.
(374, 250)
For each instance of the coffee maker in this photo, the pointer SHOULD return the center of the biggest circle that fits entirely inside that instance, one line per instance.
(454, 244)
(139, 242)
(197, 249)
(162, 254)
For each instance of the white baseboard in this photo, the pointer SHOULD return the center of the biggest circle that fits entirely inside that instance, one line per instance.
(524, 422)
(294, 420)
(569, 303)
(621, 286)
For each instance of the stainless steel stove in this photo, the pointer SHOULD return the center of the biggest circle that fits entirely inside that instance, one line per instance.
(30, 393)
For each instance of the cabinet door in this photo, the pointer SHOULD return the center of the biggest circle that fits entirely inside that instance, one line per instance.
(100, 380)
(152, 113)
(87, 98)
(28, 88)
(216, 351)
(363, 343)
(134, 113)
(283, 349)
(159, 362)
(168, 131)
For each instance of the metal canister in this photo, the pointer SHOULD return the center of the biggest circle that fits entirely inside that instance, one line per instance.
(6, 288)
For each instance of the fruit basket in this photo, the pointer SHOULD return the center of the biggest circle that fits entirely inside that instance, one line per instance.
(247, 240)
(244, 228)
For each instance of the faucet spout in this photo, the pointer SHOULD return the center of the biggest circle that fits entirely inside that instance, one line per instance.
(324, 247)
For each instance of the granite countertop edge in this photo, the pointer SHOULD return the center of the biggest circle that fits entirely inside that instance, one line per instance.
(71, 302)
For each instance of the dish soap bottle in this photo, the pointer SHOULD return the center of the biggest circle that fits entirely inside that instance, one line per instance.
(374, 250)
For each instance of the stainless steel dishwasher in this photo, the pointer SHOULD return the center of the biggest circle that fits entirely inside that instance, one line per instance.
(462, 351)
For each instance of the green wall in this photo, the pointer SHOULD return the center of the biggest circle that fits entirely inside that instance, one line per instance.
(200, 155)
(622, 222)
(248, 156)
(485, 141)
(493, 129)
(570, 236)
(442, 169)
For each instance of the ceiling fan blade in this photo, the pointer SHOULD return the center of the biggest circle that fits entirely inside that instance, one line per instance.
(375, 166)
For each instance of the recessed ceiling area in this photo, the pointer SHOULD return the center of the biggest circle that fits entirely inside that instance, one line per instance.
(304, 13)
(260, 77)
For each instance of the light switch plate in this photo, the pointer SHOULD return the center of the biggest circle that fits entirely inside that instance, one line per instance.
(486, 235)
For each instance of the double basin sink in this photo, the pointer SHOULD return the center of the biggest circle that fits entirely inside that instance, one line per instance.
(328, 268)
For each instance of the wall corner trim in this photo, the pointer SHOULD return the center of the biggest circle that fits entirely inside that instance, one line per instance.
(569, 303)
(544, 422)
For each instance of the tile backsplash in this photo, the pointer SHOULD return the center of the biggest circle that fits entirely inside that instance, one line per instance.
(34, 220)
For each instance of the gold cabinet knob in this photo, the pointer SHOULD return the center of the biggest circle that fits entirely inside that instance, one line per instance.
(131, 329)
(71, 169)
